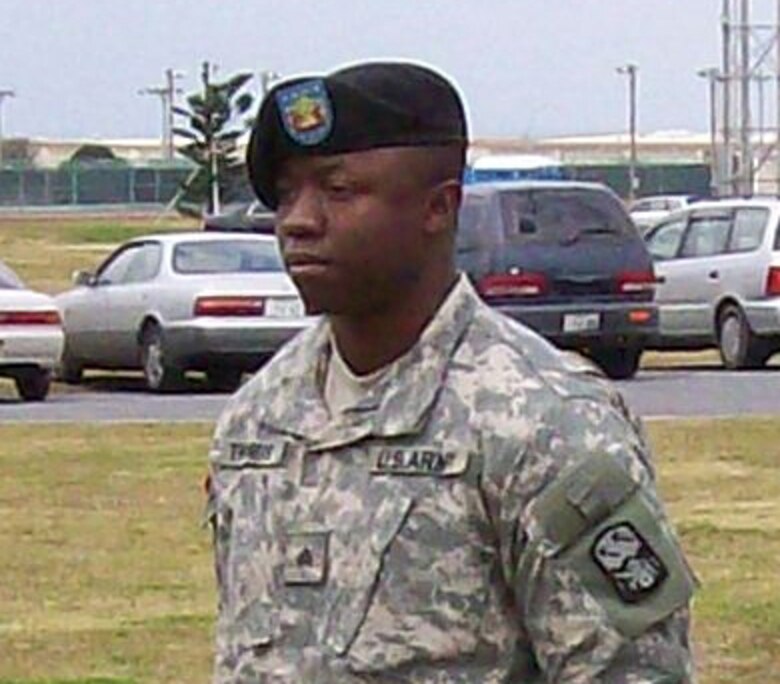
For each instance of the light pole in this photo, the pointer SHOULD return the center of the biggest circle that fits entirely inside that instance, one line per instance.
(630, 70)
(712, 74)
(3, 95)
(166, 93)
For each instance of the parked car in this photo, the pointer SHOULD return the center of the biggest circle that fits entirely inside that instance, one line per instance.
(175, 302)
(247, 217)
(718, 265)
(565, 259)
(648, 211)
(30, 336)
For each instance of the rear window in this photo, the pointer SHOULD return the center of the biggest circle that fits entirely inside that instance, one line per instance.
(227, 256)
(8, 279)
(555, 216)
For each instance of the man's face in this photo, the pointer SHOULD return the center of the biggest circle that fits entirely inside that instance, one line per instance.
(351, 229)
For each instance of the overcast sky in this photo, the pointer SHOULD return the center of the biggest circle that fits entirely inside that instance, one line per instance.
(526, 67)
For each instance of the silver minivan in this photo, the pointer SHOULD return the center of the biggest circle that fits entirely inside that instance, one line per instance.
(718, 269)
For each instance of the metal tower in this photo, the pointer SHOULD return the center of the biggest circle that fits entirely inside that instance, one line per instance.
(748, 158)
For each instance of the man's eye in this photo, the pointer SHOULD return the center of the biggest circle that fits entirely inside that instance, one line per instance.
(339, 190)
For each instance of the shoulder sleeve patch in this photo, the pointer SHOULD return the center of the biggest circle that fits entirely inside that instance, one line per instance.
(599, 523)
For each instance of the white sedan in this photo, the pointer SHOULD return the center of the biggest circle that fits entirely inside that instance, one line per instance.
(30, 336)
(169, 303)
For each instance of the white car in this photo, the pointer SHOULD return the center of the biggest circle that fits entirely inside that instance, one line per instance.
(718, 268)
(648, 211)
(169, 303)
(31, 336)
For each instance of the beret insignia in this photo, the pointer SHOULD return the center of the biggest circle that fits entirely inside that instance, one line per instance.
(306, 111)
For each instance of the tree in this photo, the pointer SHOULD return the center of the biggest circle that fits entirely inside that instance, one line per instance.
(215, 122)
(91, 152)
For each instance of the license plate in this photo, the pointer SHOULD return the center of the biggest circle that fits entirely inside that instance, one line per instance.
(584, 322)
(289, 307)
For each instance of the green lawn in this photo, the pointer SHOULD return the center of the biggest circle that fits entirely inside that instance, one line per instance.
(107, 576)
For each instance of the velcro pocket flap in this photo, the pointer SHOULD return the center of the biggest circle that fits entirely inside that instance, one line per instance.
(580, 499)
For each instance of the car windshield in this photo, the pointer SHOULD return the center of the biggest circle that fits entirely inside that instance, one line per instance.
(8, 279)
(561, 216)
(227, 256)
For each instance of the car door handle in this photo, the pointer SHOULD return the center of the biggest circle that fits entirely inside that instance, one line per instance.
(713, 275)
(660, 280)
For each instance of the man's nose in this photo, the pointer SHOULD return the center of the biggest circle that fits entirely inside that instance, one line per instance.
(302, 216)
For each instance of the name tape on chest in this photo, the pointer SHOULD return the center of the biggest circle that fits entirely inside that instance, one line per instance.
(257, 454)
(427, 461)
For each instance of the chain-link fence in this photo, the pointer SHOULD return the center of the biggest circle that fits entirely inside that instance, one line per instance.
(94, 183)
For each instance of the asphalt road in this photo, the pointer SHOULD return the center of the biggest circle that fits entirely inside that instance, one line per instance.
(694, 392)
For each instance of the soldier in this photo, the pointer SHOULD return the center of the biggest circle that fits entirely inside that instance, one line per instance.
(418, 489)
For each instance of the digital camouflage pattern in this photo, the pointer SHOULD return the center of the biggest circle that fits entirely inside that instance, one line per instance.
(474, 519)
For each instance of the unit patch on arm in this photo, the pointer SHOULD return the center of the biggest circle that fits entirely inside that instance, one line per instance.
(628, 561)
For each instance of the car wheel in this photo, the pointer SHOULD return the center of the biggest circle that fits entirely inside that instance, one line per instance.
(618, 363)
(159, 374)
(224, 379)
(33, 385)
(739, 347)
(70, 371)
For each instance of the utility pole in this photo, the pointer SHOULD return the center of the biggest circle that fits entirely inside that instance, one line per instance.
(267, 77)
(746, 126)
(212, 151)
(631, 70)
(167, 94)
(4, 93)
(713, 76)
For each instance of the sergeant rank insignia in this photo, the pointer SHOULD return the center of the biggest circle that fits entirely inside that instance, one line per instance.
(631, 565)
(306, 111)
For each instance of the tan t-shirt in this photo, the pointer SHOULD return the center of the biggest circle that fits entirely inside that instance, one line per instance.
(344, 389)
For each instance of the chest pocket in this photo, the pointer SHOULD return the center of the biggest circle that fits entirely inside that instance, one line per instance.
(416, 586)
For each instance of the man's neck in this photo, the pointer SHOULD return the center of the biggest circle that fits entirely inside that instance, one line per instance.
(367, 343)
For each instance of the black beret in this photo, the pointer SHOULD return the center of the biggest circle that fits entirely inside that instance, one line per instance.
(361, 107)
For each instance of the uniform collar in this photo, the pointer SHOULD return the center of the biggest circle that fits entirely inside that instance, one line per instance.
(397, 405)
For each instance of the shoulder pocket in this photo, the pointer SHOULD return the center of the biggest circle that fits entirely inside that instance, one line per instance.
(599, 523)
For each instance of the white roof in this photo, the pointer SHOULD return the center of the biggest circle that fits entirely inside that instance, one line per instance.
(504, 162)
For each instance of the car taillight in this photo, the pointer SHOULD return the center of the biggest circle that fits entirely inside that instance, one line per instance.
(773, 281)
(229, 306)
(634, 282)
(30, 318)
(499, 285)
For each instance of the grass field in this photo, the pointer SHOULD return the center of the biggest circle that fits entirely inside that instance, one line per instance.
(45, 251)
(106, 572)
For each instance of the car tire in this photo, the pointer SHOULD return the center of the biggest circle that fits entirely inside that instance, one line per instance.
(618, 363)
(159, 374)
(34, 384)
(221, 379)
(70, 371)
(740, 348)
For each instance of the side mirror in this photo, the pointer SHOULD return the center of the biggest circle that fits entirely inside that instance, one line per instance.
(83, 278)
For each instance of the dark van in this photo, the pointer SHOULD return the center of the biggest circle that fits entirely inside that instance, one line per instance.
(565, 259)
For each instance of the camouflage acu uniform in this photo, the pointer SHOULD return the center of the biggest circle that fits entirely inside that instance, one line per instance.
(488, 514)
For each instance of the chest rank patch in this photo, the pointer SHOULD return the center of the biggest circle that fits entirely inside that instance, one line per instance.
(306, 111)
(428, 461)
(629, 562)
(258, 454)
(306, 558)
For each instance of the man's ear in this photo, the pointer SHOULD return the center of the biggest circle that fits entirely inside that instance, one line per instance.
(443, 205)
